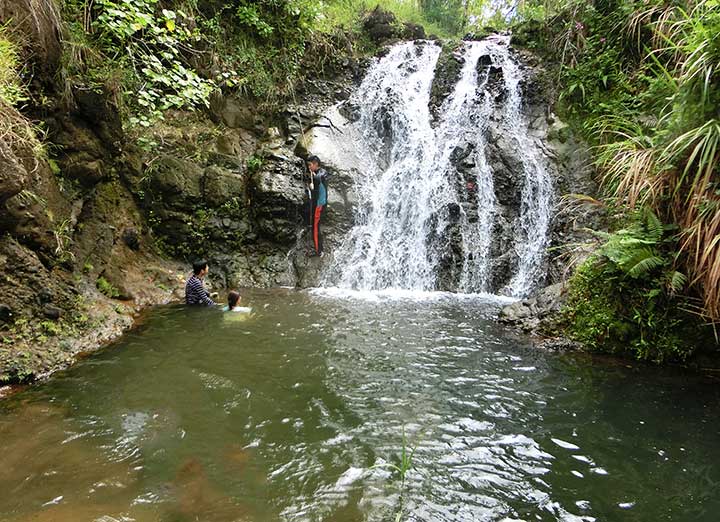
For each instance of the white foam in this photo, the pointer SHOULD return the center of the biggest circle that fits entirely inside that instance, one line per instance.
(401, 294)
(565, 445)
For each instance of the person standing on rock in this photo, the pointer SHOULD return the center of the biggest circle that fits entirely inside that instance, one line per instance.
(318, 188)
(195, 293)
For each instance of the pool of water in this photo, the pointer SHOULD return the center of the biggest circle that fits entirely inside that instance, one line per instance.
(300, 412)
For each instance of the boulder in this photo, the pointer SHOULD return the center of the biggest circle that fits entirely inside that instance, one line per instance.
(221, 185)
(381, 25)
(529, 313)
(177, 181)
(52, 312)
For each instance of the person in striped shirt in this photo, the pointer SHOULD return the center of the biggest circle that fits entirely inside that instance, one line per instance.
(195, 293)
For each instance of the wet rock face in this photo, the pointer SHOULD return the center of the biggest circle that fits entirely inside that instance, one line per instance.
(278, 193)
(177, 182)
(28, 287)
(13, 175)
(89, 136)
(568, 164)
(447, 73)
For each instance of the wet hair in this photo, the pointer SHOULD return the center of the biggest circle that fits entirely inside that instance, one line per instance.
(199, 266)
(313, 159)
(233, 299)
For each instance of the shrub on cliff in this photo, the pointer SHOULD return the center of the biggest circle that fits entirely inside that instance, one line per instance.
(639, 78)
(624, 299)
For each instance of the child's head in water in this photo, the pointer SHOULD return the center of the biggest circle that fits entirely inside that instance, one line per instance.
(233, 299)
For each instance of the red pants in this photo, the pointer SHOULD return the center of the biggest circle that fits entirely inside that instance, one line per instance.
(317, 236)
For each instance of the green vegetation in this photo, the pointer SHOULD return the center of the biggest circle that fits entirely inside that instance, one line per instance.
(402, 465)
(36, 343)
(625, 298)
(139, 45)
(254, 163)
(443, 18)
(106, 288)
(156, 56)
(12, 91)
(639, 79)
(16, 131)
(404, 461)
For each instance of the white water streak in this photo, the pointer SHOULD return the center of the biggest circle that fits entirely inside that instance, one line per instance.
(410, 185)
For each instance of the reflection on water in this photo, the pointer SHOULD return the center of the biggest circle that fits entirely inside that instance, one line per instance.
(296, 412)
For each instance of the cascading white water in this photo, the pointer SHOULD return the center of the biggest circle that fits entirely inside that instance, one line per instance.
(417, 213)
(465, 118)
(389, 246)
(531, 233)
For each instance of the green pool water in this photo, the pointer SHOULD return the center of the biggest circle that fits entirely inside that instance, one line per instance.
(297, 413)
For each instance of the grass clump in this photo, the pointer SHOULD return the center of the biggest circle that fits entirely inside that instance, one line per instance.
(12, 90)
(641, 80)
(16, 132)
(106, 288)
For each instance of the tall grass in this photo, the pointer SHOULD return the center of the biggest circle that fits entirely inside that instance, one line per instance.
(17, 134)
(663, 149)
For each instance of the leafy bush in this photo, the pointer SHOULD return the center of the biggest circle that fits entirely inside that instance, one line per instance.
(142, 48)
(609, 312)
(152, 39)
(624, 298)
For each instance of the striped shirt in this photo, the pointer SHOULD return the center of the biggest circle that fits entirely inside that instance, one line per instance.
(195, 293)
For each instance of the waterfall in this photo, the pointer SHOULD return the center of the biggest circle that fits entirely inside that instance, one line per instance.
(427, 205)
(531, 235)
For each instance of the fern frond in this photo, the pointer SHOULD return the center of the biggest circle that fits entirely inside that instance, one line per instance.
(643, 264)
(677, 281)
(655, 228)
